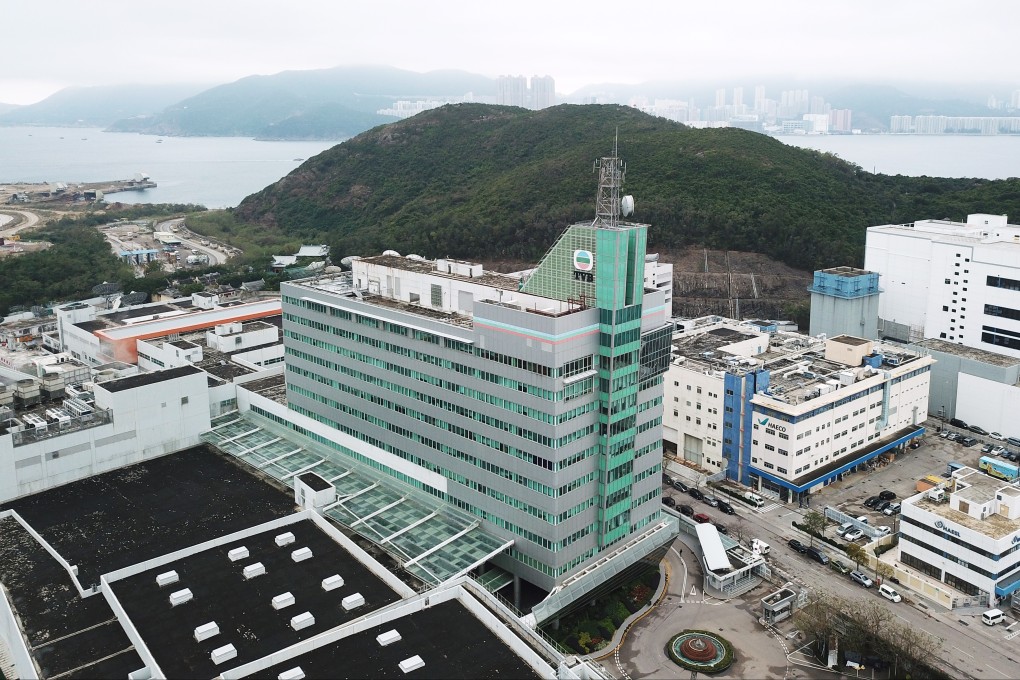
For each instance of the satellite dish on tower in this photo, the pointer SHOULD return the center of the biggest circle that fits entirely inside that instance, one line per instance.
(627, 206)
(134, 298)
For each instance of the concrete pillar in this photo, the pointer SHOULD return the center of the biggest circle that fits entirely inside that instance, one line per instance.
(517, 591)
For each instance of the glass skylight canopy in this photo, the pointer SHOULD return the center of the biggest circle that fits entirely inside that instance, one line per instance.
(427, 537)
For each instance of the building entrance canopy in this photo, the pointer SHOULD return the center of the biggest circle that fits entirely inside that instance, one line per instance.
(426, 536)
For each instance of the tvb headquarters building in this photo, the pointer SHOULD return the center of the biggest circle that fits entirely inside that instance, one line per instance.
(532, 401)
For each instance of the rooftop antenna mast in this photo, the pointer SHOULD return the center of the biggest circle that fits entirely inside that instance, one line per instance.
(607, 203)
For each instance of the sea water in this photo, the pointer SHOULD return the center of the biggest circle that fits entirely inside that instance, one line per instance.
(216, 172)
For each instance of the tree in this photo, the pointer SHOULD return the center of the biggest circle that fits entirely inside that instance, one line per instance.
(883, 570)
(856, 553)
(814, 522)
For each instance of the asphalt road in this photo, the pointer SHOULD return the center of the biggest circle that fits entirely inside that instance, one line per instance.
(971, 649)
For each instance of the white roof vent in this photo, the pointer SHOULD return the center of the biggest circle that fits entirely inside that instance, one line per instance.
(301, 554)
(206, 631)
(180, 597)
(294, 673)
(388, 638)
(302, 620)
(253, 570)
(284, 539)
(414, 663)
(166, 578)
(238, 554)
(224, 653)
(332, 582)
(283, 600)
(352, 601)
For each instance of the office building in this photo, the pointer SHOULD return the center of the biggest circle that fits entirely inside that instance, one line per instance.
(531, 401)
(966, 533)
(786, 413)
(955, 281)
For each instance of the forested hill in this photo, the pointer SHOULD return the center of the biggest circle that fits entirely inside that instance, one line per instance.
(493, 182)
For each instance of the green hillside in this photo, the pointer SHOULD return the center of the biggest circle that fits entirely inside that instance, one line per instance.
(474, 180)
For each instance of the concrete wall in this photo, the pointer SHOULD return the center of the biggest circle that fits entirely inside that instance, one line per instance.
(148, 422)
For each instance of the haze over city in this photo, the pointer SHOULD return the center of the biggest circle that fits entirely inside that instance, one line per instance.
(576, 43)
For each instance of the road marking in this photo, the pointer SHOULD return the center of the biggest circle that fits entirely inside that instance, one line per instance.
(962, 652)
(998, 673)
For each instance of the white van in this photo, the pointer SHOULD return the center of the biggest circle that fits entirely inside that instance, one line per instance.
(761, 546)
(754, 499)
(992, 617)
(889, 593)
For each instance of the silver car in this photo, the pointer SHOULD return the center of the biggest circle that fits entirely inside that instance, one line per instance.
(862, 578)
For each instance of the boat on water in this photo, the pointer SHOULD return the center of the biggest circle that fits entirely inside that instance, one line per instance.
(299, 159)
(159, 141)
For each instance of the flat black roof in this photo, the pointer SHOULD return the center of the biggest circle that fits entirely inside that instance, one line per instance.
(66, 631)
(446, 636)
(314, 481)
(133, 514)
(243, 608)
(141, 379)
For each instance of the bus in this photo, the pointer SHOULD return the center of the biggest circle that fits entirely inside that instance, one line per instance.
(997, 468)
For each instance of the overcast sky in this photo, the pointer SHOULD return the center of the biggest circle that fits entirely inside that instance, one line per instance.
(49, 45)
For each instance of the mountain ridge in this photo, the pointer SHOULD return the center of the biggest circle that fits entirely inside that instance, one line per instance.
(467, 179)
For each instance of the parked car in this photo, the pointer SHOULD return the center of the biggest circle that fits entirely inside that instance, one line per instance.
(853, 534)
(979, 430)
(893, 509)
(696, 494)
(817, 555)
(872, 501)
(953, 436)
(887, 495)
(862, 578)
(944, 433)
(887, 591)
(668, 502)
(702, 518)
(721, 528)
(686, 510)
(679, 486)
(956, 422)
(863, 519)
(987, 448)
(843, 528)
(666, 479)
(712, 500)
(1013, 441)
(968, 441)
(996, 436)
(882, 506)
(797, 545)
(839, 566)
(885, 531)
(1000, 451)
(727, 508)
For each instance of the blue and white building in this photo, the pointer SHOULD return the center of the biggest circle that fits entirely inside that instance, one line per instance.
(787, 414)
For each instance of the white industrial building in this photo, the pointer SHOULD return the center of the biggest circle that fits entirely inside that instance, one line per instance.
(788, 413)
(955, 281)
(967, 535)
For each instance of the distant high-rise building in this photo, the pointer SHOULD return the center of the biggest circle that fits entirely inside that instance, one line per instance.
(720, 97)
(839, 120)
(543, 92)
(512, 90)
(759, 98)
(1014, 100)
(738, 98)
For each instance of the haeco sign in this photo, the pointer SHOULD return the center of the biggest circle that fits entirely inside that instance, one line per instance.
(584, 261)
(767, 424)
